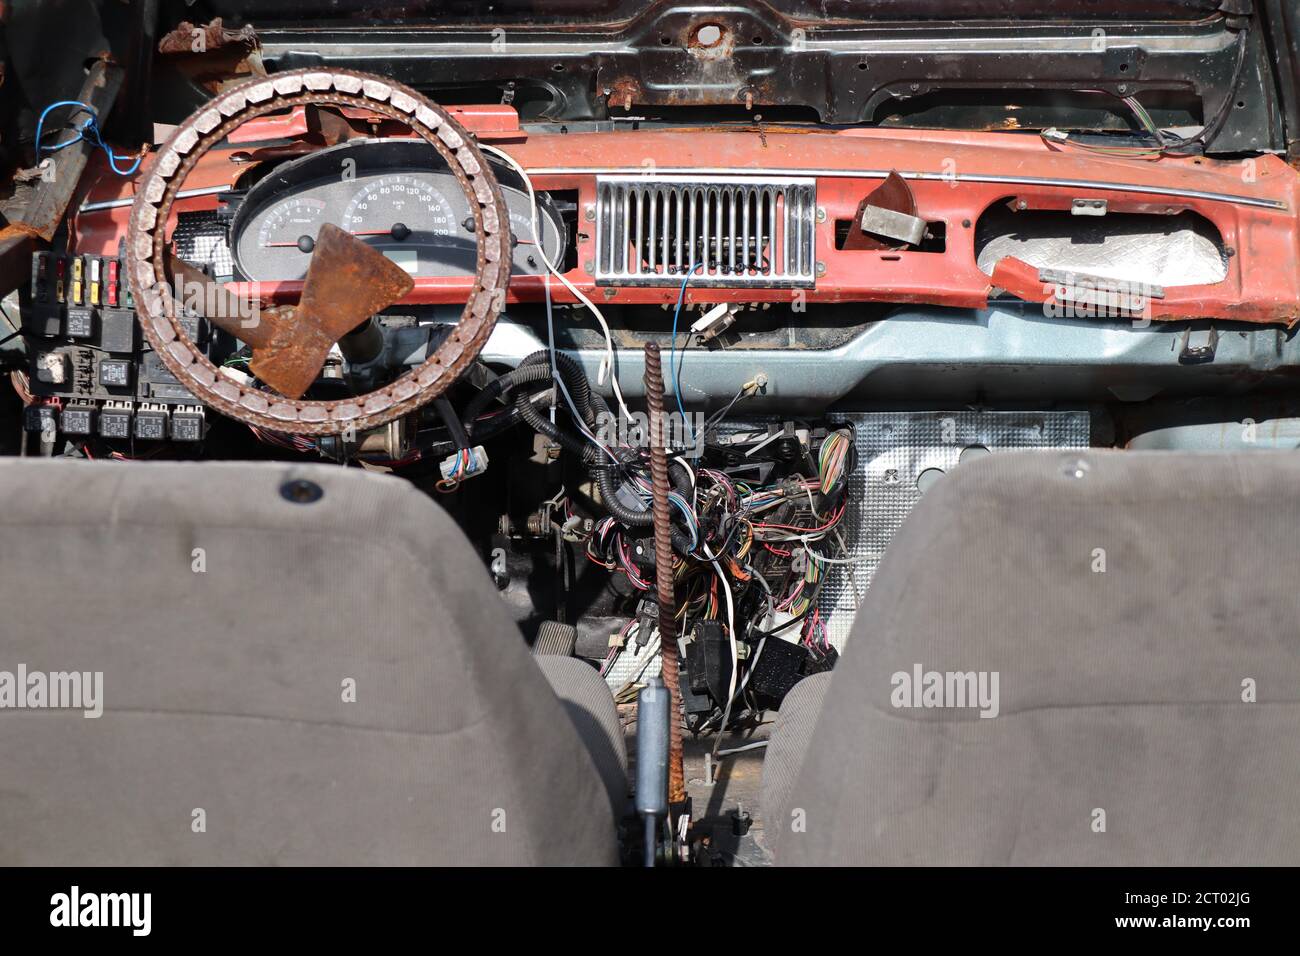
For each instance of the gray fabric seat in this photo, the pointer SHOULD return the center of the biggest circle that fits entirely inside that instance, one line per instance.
(1124, 734)
(231, 625)
(591, 708)
(790, 738)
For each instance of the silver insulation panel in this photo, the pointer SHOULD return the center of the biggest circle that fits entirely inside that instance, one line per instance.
(202, 240)
(1143, 249)
(899, 455)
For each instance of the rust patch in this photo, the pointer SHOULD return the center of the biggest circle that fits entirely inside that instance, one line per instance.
(21, 230)
(711, 40)
(213, 56)
(189, 38)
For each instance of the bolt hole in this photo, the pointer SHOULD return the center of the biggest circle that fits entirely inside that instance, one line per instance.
(862, 65)
(709, 35)
(758, 40)
(1123, 67)
(1241, 104)
(928, 479)
(666, 40)
(558, 68)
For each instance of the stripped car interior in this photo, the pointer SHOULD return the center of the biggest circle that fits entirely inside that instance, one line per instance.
(621, 433)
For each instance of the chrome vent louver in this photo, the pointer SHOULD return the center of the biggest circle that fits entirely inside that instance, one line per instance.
(735, 231)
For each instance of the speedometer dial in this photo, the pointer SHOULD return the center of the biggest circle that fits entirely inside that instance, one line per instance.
(402, 215)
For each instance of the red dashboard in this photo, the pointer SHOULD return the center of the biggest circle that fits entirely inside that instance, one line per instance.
(956, 179)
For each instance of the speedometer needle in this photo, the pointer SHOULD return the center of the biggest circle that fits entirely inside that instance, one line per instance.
(398, 231)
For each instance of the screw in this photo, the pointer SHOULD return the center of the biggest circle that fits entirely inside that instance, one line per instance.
(1076, 468)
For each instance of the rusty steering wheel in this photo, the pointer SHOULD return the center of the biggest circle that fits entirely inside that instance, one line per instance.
(290, 343)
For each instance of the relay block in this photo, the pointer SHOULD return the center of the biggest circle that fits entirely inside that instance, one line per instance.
(92, 373)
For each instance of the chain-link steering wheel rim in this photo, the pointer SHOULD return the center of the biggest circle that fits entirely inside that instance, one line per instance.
(147, 257)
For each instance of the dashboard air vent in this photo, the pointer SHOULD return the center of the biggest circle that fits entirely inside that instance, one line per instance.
(742, 231)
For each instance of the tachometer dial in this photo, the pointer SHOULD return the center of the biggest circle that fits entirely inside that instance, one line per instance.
(282, 244)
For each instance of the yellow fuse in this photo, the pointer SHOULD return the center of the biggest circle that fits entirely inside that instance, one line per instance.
(76, 292)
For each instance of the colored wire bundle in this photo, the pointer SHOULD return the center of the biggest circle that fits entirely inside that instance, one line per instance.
(832, 458)
(756, 565)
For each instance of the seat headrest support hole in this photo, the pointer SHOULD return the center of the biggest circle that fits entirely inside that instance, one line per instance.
(301, 491)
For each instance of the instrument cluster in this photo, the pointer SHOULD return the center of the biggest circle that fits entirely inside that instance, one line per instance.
(395, 194)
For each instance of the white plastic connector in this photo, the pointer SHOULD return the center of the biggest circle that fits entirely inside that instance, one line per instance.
(453, 469)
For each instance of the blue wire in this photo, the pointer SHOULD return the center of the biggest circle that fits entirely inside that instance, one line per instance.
(673, 363)
(88, 131)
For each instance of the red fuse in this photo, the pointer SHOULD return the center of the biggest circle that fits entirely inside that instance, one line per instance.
(112, 283)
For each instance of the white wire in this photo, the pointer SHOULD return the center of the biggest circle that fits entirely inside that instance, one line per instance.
(731, 633)
(737, 750)
(607, 365)
(822, 559)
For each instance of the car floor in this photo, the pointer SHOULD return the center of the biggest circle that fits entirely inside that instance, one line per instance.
(726, 820)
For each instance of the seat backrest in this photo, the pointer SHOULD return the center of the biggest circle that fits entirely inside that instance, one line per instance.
(1142, 618)
(300, 665)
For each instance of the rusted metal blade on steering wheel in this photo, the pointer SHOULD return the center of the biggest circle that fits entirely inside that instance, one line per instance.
(347, 282)
(210, 299)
